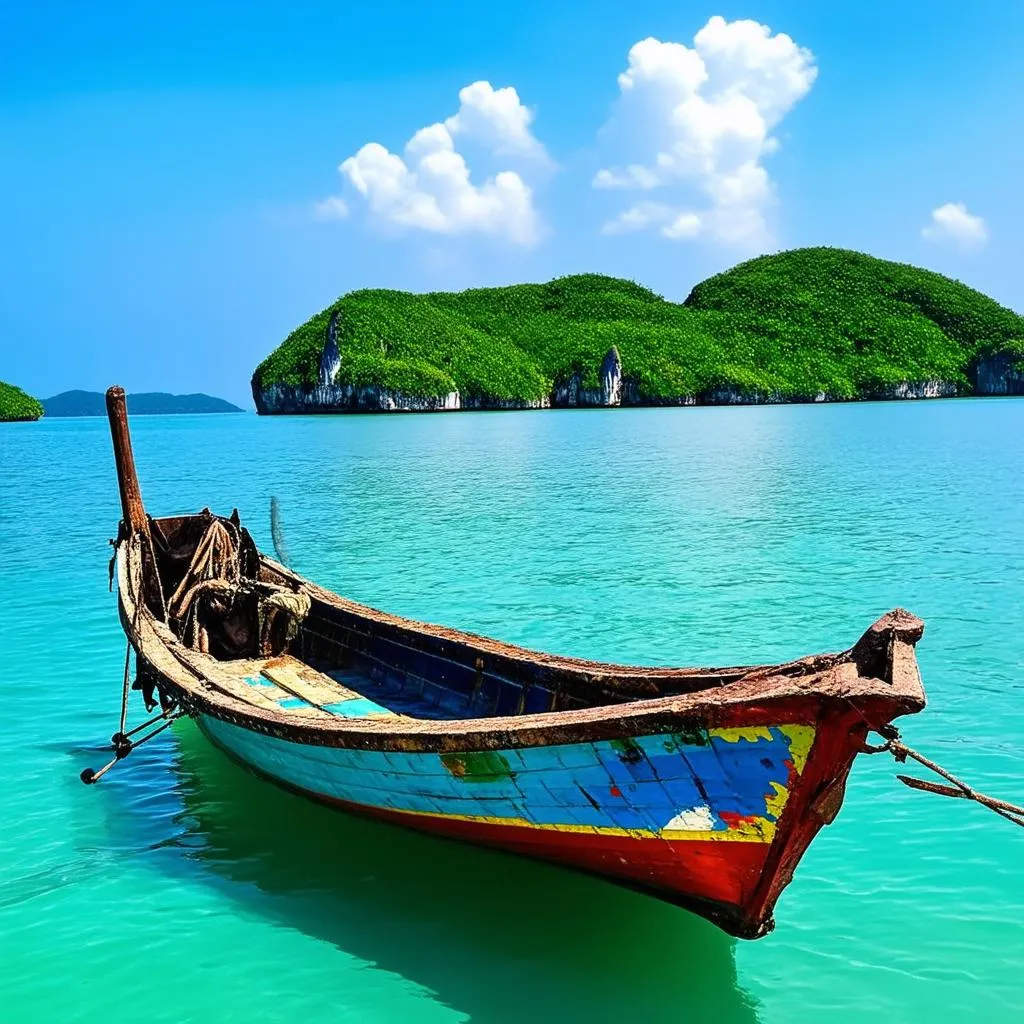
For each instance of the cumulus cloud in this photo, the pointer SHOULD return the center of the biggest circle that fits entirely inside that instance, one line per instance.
(638, 217)
(429, 187)
(953, 223)
(497, 118)
(700, 120)
(331, 208)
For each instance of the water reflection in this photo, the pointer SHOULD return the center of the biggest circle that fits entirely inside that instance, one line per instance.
(495, 937)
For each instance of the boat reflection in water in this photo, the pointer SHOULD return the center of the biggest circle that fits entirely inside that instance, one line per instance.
(480, 931)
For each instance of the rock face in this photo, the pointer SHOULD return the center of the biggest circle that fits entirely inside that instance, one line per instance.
(916, 389)
(572, 394)
(891, 392)
(279, 399)
(615, 390)
(1000, 374)
(329, 397)
(330, 358)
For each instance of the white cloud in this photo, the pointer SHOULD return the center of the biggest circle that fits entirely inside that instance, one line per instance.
(638, 217)
(430, 188)
(952, 222)
(684, 225)
(496, 118)
(701, 119)
(331, 208)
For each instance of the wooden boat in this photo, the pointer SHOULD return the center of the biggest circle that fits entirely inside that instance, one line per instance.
(700, 786)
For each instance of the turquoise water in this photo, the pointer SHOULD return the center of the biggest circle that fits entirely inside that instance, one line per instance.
(182, 885)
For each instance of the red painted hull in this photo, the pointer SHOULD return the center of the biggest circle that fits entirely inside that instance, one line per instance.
(735, 884)
(678, 870)
(714, 879)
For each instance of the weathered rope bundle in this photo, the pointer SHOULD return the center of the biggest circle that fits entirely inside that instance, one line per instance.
(294, 606)
(959, 789)
(215, 570)
(215, 561)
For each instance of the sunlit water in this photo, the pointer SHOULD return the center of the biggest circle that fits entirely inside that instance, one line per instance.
(181, 888)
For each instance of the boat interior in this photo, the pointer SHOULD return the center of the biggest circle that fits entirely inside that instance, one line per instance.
(272, 640)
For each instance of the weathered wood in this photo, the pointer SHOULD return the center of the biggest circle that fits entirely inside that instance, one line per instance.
(299, 679)
(701, 786)
(132, 509)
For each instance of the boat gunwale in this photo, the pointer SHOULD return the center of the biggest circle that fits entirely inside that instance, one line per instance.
(761, 695)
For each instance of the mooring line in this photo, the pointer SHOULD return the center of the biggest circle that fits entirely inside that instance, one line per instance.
(959, 789)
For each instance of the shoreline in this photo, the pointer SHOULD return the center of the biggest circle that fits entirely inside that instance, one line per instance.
(375, 401)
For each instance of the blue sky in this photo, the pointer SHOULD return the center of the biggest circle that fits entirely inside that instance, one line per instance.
(172, 203)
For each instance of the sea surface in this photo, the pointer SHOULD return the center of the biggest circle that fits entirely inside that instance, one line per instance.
(182, 889)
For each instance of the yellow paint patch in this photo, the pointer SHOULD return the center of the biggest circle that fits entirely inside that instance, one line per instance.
(776, 800)
(800, 737)
(762, 831)
(751, 734)
(759, 830)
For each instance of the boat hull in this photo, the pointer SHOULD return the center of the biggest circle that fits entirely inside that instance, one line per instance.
(703, 786)
(692, 818)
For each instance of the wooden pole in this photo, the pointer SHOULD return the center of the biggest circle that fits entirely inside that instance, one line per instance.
(132, 509)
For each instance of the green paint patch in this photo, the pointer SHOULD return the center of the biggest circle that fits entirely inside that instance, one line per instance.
(629, 751)
(478, 766)
(690, 734)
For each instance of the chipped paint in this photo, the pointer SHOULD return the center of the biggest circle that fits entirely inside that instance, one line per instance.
(750, 734)
(695, 819)
(800, 738)
(478, 766)
(733, 787)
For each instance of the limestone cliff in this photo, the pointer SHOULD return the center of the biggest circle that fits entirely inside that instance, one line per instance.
(999, 374)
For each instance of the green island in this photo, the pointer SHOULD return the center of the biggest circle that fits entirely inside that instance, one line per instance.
(817, 324)
(16, 405)
(143, 403)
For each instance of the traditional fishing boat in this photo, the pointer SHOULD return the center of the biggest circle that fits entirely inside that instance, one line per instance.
(701, 786)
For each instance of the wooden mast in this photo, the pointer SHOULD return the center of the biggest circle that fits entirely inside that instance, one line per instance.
(132, 509)
(133, 512)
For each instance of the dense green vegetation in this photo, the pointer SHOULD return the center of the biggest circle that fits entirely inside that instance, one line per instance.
(794, 324)
(16, 405)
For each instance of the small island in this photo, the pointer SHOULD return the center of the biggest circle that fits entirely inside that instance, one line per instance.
(145, 403)
(808, 325)
(16, 406)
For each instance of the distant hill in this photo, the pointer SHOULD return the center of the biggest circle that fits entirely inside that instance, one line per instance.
(154, 403)
(16, 405)
(817, 324)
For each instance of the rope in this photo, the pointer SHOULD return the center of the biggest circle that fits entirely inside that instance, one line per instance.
(215, 558)
(122, 741)
(126, 684)
(959, 789)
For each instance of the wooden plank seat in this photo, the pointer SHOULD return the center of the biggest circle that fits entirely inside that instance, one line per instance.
(307, 687)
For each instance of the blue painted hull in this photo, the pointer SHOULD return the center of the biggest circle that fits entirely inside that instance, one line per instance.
(693, 816)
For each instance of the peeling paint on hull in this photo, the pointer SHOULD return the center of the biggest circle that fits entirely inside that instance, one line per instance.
(690, 821)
